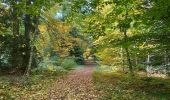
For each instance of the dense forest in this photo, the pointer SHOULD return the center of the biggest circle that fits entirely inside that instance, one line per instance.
(84, 49)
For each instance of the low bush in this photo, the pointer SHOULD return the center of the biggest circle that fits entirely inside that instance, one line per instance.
(49, 70)
(48, 67)
(68, 64)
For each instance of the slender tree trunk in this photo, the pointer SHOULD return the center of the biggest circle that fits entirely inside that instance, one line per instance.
(165, 58)
(129, 60)
(35, 32)
(126, 40)
(136, 58)
(28, 29)
(148, 65)
(121, 55)
(27, 39)
(127, 53)
(30, 62)
(29, 49)
(148, 60)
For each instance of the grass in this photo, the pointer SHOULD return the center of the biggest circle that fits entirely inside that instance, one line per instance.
(35, 87)
(122, 86)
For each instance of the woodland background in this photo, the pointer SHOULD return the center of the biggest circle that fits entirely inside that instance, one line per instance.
(129, 41)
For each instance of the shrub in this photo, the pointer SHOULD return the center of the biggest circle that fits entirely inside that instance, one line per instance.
(68, 64)
(48, 66)
(49, 70)
(140, 67)
(79, 60)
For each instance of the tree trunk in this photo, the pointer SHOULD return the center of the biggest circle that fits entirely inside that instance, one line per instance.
(127, 52)
(121, 55)
(30, 61)
(165, 58)
(35, 32)
(27, 39)
(28, 29)
(148, 60)
(129, 60)
(148, 70)
(126, 40)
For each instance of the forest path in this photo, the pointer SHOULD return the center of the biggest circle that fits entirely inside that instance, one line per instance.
(77, 85)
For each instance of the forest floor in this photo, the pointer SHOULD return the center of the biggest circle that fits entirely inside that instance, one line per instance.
(77, 85)
(122, 86)
(84, 83)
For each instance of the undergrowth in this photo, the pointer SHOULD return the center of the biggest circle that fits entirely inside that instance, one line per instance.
(35, 87)
(122, 86)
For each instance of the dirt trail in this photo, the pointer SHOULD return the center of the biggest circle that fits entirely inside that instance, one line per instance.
(78, 85)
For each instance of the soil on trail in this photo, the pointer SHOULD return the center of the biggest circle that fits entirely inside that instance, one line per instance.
(77, 85)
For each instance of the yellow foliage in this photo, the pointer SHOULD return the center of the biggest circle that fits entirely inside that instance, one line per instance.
(42, 28)
(87, 53)
(62, 27)
(107, 9)
(109, 56)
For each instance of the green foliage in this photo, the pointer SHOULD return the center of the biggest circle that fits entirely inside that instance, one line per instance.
(49, 67)
(50, 70)
(68, 63)
(77, 49)
(140, 67)
(120, 32)
(121, 86)
(11, 52)
(119, 94)
(78, 53)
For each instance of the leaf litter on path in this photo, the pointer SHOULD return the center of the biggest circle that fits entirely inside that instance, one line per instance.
(77, 85)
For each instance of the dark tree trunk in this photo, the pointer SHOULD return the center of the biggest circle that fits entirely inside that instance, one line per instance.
(28, 29)
(129, 60)
(35, 32)
(128, 54)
